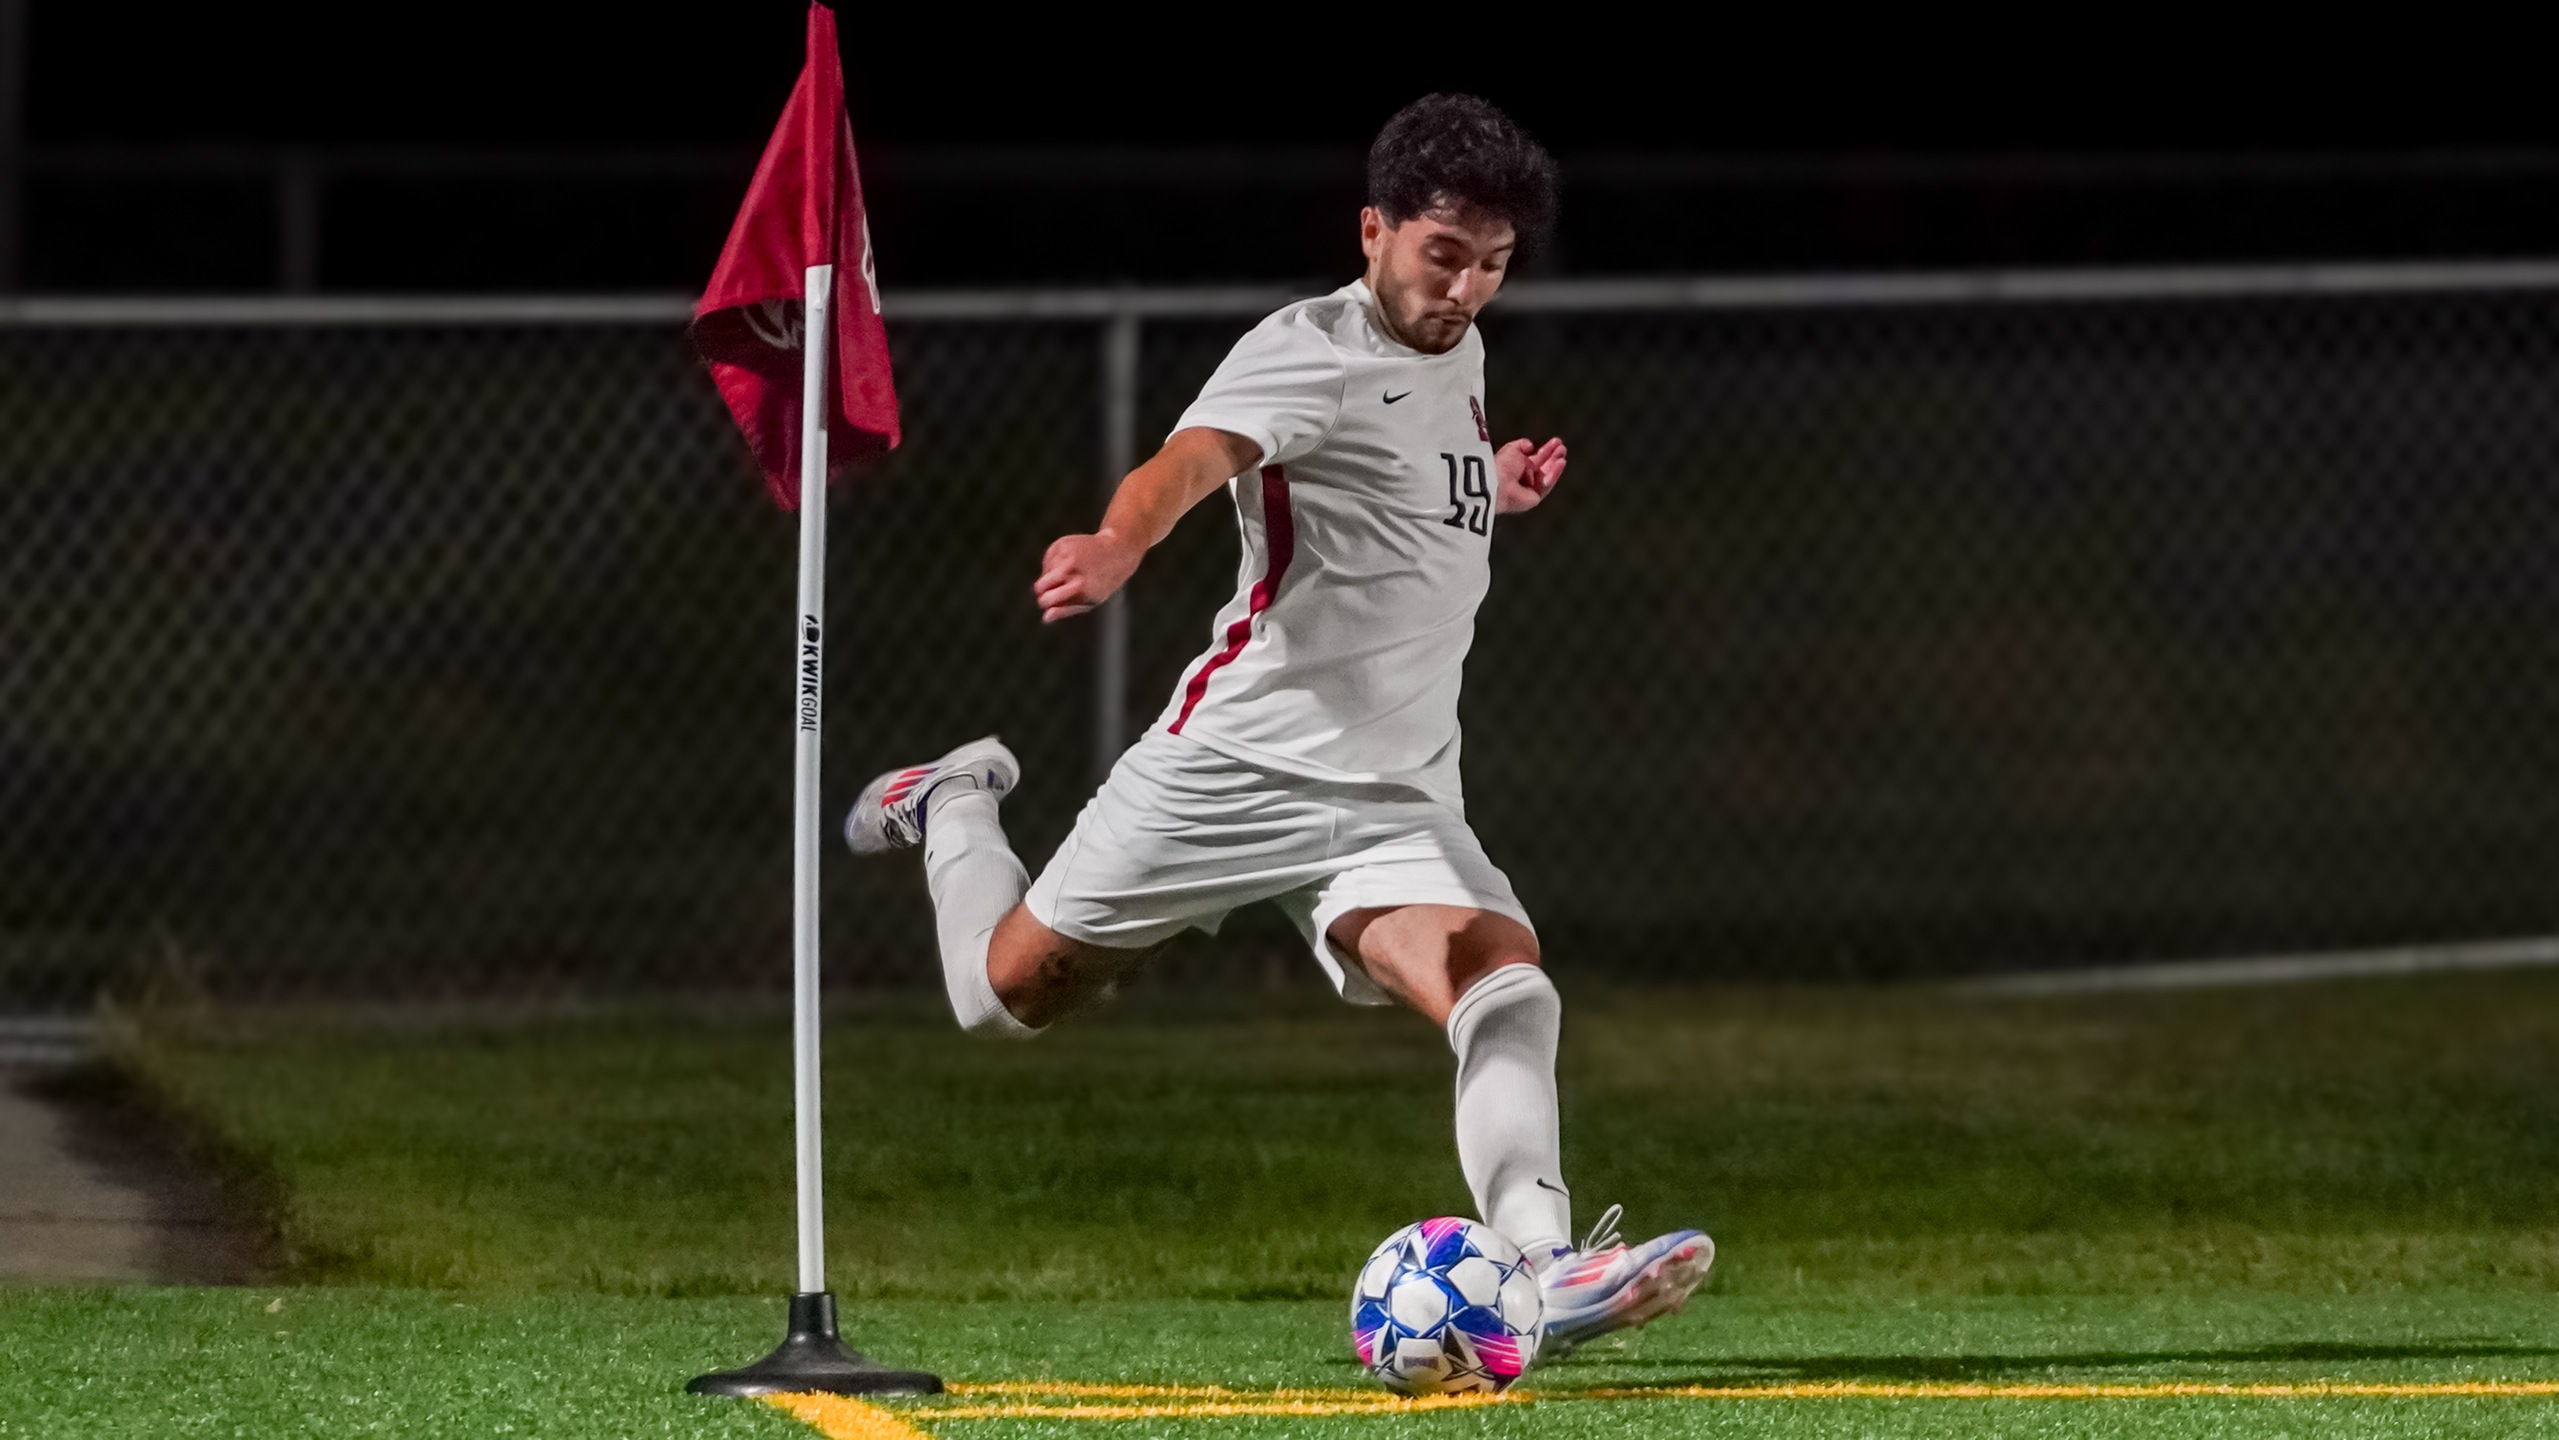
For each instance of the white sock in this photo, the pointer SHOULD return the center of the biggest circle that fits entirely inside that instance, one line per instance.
(1509, 1141)
(976, 881)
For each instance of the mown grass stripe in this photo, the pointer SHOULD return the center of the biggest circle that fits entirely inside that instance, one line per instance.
(839, 1417)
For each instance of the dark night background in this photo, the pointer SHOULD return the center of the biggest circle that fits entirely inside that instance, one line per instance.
(467, 147)
(1935, 637)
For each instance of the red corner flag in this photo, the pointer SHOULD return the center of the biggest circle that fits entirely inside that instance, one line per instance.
(804, 208)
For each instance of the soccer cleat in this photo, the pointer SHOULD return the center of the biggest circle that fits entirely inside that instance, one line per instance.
(890, 814)
(1609, 1285)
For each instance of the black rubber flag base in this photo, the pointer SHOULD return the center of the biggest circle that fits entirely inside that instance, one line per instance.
(810, 1358)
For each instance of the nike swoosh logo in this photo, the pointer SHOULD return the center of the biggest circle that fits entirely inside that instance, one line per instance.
(1391, 399)
(1541, 1180)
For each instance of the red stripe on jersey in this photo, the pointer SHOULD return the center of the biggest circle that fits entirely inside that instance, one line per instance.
(1279, 533)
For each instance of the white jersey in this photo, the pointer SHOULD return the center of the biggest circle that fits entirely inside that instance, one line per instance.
(1367, 548)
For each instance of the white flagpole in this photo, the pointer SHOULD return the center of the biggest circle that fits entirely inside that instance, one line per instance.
(806, 822)
(812, 1355)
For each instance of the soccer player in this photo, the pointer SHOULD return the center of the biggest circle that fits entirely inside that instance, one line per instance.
(1310, 757)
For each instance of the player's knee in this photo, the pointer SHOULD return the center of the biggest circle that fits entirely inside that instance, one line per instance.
(981, 1011)
(1505, 941)
(1036, 977)
(1492, 944)
(995, 1003)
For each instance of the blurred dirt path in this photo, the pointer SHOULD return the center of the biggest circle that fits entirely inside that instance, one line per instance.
(91, 1192)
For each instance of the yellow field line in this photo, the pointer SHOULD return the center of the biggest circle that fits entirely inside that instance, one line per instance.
(1091, 1391)
(839, 1417)
(1210, 1409)
(1799, 1390)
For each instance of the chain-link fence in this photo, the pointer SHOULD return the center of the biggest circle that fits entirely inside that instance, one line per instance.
(1872, 632)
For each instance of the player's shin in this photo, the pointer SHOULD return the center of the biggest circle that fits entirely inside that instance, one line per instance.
(1509, 1140)
(976, 881)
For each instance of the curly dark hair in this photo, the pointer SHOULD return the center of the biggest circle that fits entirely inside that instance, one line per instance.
(1459, 153)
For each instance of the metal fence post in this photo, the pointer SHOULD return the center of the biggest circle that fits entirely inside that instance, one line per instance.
(1119, 456)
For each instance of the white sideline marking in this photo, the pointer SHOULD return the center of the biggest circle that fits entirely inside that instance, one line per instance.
(45, 1042)
(2274, 969)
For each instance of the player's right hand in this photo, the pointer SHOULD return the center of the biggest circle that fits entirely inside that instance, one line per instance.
(1081, 571)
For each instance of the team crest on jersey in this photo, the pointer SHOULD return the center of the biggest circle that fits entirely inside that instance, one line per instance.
(1483, 431)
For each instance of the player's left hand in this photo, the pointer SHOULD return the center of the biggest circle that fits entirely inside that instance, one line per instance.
(1528, 475)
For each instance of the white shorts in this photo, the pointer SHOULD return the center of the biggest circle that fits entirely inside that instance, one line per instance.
(1181, 834)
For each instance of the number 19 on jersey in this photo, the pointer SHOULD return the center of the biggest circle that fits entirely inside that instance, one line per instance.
(1470, 494)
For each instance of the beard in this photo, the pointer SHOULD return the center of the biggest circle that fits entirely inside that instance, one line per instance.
(1415, 319)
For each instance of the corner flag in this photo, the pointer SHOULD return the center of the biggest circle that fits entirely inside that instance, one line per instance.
(803, 210)
(775, 310)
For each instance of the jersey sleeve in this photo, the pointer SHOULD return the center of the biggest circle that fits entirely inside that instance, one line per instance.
(1280, 387)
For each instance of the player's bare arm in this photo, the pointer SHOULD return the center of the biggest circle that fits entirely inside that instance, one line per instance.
(1081, 571)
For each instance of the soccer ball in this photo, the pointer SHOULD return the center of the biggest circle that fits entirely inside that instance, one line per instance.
(1446, 1306)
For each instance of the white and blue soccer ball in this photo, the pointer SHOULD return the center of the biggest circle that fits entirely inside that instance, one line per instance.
(1446, 1306)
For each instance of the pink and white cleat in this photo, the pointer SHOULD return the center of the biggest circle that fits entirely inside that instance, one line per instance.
(1608, 1285)
(890, 814)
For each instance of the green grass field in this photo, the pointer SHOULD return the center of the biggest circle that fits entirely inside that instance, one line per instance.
(356, 1362)
(545, 1227)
